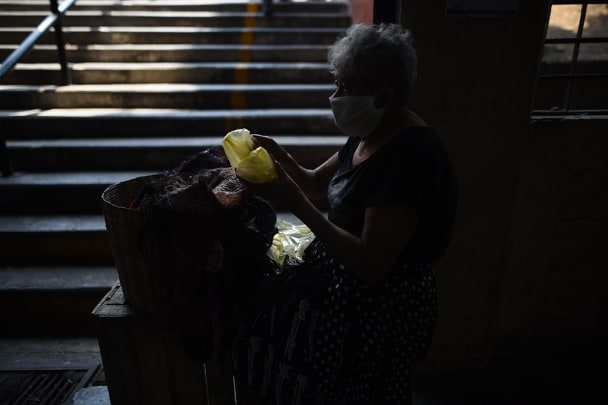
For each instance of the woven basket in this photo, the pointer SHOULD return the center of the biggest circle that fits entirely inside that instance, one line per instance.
(123, 225)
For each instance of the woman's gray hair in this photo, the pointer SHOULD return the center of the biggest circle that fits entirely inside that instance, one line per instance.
(377, 52)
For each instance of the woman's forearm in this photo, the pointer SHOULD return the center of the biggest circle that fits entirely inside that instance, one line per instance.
(345, 247)
(305, 178)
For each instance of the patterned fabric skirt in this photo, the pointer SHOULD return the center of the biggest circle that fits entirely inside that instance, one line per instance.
(328, 338)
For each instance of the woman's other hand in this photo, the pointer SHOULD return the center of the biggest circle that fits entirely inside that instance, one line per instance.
(283, 192)
(270, 145)
(313, 182)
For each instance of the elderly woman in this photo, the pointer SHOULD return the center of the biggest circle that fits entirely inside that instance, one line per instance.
(348, 325)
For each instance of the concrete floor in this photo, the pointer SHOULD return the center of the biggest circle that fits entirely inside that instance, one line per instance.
(51, 354)
(556, 382)
(41, 353)
(92, 396)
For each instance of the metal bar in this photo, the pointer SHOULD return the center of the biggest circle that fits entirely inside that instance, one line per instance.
(54, 19)
(588, 40)
(27, 44)
(63, 60)
(387, 11)
(574, 61)
(575, 76)
(565, 2)
(65, 6)
(5, 159)
(558, 113)
(572, 75)
(29, 382)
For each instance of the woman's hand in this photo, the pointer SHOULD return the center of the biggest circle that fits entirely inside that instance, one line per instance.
(276, 151)
(265, 141)
(313, 182)
(282, 192)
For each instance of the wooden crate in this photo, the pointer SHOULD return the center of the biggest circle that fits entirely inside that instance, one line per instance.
(145, 365)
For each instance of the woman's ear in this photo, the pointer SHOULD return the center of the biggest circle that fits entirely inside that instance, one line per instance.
(385, 97)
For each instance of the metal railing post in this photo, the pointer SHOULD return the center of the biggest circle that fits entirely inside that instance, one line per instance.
(54, 19)
(63, 60)
(6, 165)
(387, 11)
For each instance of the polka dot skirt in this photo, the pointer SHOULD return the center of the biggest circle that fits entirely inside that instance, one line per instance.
(329, 338)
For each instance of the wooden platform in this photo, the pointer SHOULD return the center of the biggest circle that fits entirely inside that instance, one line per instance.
(146, 365)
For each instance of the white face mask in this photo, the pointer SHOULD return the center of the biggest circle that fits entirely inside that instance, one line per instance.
(356, 115)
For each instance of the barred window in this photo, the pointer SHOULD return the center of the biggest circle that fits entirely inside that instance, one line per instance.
(573, 75)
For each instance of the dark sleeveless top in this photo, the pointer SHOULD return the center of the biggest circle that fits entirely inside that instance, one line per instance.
(413, 169)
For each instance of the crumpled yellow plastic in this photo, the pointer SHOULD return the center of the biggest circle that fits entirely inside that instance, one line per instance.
(252, 164)
(290, 242)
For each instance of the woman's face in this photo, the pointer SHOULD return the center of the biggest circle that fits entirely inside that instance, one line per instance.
(352, 87)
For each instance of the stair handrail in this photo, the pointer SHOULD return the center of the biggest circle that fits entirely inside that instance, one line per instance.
(52, 20)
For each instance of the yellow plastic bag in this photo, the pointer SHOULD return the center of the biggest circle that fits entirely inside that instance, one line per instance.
(290, 242)
(253, 164)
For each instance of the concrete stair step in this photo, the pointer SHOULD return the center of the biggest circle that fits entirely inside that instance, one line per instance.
(133, 154)
(152, 95)
(140, 122)
(179, 35)
(55, 258)
(51, 300)
(68, 176)
(174, 72)
(130, 53)
(46, 168)
(180, 5)
(57, 278)
(54, 240)
(63, 193)
(189, 18)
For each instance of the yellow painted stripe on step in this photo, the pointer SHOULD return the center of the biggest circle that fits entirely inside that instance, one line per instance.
(241, 73)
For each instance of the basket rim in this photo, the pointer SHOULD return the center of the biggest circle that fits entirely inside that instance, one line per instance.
(111, 187)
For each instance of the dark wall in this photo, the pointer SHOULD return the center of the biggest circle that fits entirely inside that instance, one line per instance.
(527, 264)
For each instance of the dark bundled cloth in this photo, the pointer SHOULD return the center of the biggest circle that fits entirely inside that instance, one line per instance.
(205, 241)
(331, 339)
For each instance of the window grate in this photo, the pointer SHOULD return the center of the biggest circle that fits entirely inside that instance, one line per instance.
(573, 76)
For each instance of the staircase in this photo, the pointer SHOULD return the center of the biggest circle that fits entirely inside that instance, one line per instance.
(152, 83)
